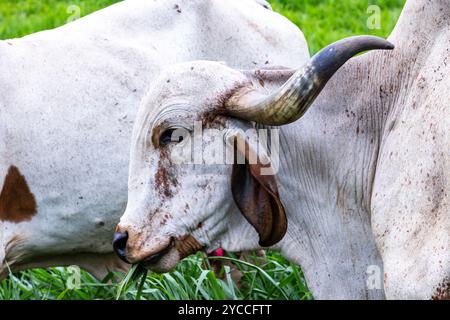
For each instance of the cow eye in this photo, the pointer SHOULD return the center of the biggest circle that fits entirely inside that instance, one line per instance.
(170, 136)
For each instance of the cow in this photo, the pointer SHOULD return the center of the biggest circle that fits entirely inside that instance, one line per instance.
(68, 99)
(360, 198)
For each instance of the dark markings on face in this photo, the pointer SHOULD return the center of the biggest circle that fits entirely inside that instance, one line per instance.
(165, 179)
(212, 120)
(443, 291)
(155, 136)
(17, 203)
(224, 99)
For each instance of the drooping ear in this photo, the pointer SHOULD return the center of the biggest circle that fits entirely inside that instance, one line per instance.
(256, 195)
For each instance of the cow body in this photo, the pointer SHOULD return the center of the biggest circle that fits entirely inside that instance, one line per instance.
(371, 165)
(68, 101)
(363, 177)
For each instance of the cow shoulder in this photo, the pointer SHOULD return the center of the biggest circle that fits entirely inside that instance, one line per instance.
(411, 192)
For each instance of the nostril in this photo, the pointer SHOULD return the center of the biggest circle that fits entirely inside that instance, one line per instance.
(119, 244)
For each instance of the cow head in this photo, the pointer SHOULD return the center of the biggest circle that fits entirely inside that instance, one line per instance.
(198, 173)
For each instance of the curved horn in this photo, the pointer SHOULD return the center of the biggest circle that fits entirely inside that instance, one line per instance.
(292, 100)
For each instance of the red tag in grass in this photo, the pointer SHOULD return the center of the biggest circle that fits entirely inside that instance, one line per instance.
(217, 253)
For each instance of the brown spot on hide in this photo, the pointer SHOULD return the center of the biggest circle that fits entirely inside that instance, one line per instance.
(17, 203)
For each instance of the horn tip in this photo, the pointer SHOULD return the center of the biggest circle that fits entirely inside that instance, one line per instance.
(388, 45)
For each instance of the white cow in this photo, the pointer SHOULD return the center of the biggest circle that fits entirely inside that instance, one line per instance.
(361, 199)
(68, 99)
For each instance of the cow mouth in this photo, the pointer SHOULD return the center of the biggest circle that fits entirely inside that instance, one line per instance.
(156, 258)
(168, 258)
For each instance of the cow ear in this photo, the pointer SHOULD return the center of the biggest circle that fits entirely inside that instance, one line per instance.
(256, 195)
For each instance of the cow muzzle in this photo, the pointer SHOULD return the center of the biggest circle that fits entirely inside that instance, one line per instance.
(162, 257)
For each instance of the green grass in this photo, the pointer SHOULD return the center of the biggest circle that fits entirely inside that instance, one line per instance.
(192, 280)
(326, 21)
(22, 17)
(322, 21)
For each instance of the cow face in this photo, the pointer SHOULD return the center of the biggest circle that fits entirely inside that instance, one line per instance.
(183, 189)
(193, 168)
